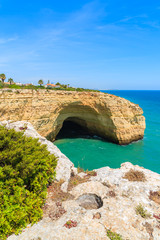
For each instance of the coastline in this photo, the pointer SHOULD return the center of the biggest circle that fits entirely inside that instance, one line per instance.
(106, 180)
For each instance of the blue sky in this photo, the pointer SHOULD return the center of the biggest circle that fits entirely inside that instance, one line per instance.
(97, 44)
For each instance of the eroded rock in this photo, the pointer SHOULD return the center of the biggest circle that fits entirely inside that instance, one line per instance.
(90, 201)
(104, 115)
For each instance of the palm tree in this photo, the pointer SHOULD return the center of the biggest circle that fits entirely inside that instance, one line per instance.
(2, 77)
(10, 80)
(40, 82)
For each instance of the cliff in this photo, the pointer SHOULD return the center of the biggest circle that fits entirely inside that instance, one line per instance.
(96, 205)
(105, 115)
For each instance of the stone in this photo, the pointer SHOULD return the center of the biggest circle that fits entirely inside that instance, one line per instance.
(94, 187)
(104, 115)
(82, 174)
(64, 186)
(97, 215)
(90, 201)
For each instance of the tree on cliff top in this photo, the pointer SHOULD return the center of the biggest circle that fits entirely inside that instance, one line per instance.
(2, 77)
(40, 82)
(10, 80)
(58, 84)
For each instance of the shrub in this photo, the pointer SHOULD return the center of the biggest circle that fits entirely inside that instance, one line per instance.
(69, 224)
(14, 86)
(111, 193)
(91, 173)
(155, 196)
(134, 175)
(79, 169)
(113, 235)
(26, 167)
(141, 211)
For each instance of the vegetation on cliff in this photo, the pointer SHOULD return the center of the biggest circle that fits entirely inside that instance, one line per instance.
(14, 86)
(26, 168)
(58, 85)
(2, 77)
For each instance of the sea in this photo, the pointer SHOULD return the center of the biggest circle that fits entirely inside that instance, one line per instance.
(92, 153)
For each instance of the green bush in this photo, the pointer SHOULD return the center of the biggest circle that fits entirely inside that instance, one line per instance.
(113, 235)
(26, 168)
(14, 86)
(141, 211)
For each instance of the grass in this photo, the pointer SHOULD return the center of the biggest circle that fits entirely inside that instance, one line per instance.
(56, 194)
(76, 180)
(53, 211)
(79, 169)
(134, 175)
(113, 235)
(141, 211)
(91, 173)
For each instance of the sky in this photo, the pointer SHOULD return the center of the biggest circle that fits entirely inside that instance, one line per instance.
(99, 44)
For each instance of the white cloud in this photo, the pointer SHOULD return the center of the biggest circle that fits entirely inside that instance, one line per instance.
(75, 25)
(6, 40)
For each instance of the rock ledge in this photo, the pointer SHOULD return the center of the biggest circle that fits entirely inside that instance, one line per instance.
(117, 213)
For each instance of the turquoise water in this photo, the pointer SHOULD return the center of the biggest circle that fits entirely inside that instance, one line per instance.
(95, 153)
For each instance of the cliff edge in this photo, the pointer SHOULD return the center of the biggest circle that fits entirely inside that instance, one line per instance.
(106, 203)
(113, 118)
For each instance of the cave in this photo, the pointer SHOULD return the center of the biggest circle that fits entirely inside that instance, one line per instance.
(74, 128)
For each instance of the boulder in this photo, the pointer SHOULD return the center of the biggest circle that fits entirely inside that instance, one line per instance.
(90, 201)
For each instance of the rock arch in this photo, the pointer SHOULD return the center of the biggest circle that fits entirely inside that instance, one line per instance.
(85, 116)
(105, 115)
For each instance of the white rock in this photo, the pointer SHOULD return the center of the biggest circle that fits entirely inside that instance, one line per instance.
(117, 213)
(81, 174)
(90, 187)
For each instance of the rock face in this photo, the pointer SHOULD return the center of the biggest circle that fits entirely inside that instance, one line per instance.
(118, 212)
(105, 115)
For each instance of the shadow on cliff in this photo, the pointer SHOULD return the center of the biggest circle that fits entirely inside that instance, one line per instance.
(73, 130)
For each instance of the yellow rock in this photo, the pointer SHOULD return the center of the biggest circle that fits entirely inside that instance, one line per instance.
(105, 115)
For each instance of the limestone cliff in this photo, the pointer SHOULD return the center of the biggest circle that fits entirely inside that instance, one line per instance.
(105, 115)
(120, 199)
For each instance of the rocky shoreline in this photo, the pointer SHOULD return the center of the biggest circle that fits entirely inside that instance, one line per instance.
(117, 204)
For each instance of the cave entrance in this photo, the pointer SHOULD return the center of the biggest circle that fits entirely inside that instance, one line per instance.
(74, 128)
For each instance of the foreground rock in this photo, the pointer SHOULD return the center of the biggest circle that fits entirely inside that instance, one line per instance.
(130, 208)
(117, 213)
(90, 201)
(105, 115)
